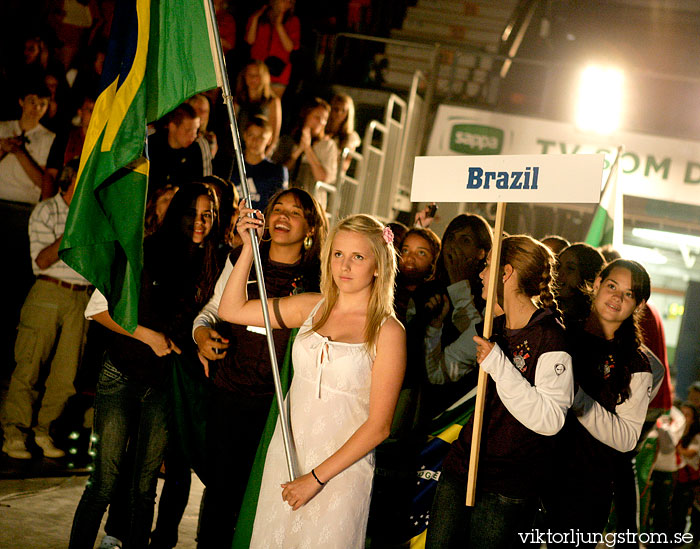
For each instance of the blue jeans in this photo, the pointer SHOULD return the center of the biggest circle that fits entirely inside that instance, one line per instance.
(493, 523)
(123, 407)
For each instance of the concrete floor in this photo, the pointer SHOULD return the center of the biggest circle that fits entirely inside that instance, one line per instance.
(37, 513)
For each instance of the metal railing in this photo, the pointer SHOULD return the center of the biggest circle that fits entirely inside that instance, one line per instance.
(413, 141)
(343, 191)
(381, 174)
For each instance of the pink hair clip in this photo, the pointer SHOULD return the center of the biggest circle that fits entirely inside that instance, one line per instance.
(388, 235)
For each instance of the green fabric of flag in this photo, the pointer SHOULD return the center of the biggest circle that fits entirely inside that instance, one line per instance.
(246, 516)
(602, 230)
(158, 56)
(190, 396)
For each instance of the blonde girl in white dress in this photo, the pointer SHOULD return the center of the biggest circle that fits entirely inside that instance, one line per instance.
(349, 361)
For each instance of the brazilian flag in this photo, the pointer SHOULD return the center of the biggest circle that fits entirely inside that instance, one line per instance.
(158, 56)
(406, 477)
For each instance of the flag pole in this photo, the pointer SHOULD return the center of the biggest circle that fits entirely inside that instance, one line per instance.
(614, 166)
(491, 296)
(223, 83)
(618, 210)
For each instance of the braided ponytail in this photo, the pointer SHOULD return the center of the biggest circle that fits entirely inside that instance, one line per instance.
(547, 299)
(535, 265)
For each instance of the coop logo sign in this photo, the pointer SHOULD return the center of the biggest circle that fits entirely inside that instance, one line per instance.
(476, 139)
(650, 166)
(508, 178)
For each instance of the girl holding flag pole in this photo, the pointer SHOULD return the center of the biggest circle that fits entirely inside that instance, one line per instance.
(530, 389)
(349, 360)
(238, 362)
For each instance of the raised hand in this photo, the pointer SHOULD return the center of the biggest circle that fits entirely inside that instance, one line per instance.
(245, 222)
(438, 307)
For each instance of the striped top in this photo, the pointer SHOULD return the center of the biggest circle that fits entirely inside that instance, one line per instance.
(46, 224)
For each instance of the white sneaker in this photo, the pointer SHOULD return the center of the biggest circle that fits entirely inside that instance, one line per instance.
(47, 446)
(16, 448)
(110, 542)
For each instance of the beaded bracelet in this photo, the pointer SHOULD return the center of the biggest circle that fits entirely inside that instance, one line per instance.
(317, 480)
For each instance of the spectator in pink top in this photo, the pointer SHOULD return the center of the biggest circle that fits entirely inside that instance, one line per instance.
(273, 33)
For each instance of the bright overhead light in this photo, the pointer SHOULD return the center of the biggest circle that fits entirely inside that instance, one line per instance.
(599, 105)
(643, 255)
(674, 239)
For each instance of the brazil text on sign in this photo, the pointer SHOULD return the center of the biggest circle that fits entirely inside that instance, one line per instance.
(508, 178)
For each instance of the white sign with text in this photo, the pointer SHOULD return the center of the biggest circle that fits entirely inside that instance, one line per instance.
(652, 166)
(508, 178)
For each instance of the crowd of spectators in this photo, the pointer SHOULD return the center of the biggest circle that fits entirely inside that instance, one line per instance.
(50, 81)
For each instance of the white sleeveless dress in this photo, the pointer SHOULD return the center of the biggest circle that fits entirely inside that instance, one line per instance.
(328, 401)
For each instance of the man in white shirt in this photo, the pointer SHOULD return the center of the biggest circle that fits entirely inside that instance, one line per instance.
(52, 326)
(24, 149)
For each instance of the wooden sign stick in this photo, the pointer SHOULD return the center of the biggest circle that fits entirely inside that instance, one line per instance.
(491, 298)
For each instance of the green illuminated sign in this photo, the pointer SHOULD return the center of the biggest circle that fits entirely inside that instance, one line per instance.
(476, 139)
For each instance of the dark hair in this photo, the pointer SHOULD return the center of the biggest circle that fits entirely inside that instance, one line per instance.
(305, 111)
(627, 340)
(399, 230)
(590, 260)
(610, 253)
(151, 221)
(433, 241)
(182, 112)
(315, 218)
(175, 248)
(694, 427)
(67, 174)
(227, 197)
(86, 97)
(534, 263)
(266, 14)
(482, 231)
(577, 305)
(35, 86)
(559, 243)
(259, 121)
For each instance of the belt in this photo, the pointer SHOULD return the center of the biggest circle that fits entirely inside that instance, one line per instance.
(62, 284)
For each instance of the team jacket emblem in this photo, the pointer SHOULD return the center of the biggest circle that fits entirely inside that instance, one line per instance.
(521, 354)
(607, 367)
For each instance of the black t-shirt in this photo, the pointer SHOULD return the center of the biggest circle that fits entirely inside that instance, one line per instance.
(168, 303)
(246, 368)
(264, 180)
(170, 166)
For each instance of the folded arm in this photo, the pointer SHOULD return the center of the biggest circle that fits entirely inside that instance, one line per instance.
(540, 407)
(619, 430)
